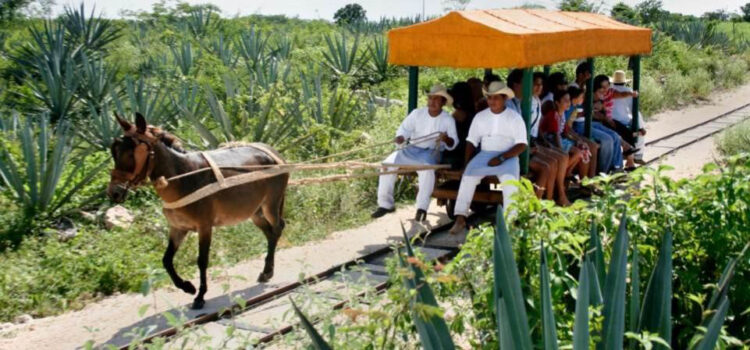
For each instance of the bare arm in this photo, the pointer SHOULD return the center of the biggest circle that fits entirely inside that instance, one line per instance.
(515, 150)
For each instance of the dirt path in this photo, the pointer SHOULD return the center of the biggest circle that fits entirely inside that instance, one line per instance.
(689, 161)
(108, 318)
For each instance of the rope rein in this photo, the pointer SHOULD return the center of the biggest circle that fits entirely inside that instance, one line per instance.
(259, 172)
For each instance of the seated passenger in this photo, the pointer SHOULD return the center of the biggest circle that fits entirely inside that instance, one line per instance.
(541, 164)
(605, 95)
(501, 134)
(583, 74)
(421, 123)
(552, 129)
(463, 114)
(571, 114)
(610, 149)
(556, 81)
(621, 113)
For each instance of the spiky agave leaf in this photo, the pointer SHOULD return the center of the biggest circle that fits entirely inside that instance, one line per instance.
(714, 326)
(433, 331)
(614, 291)
(549, 329)
(581, 323)
(635, 294)
(656, 315)
(507, 289)
(317, 340)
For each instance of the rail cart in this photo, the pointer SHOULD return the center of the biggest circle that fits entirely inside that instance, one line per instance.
(513, 38)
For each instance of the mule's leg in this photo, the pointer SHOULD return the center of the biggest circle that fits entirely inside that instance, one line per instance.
(260, 220)
(204, 247)
(175, 239)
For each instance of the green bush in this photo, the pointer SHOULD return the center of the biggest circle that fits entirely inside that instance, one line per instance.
(735, 140)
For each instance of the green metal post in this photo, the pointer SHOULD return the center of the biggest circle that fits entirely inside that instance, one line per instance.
(547, 70)
(526, 114)
(413, 87)
(589, 101)
(636, 86)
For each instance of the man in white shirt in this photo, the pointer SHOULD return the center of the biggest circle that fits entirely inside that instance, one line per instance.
(429, 130)
(501, 133)
(622, 113)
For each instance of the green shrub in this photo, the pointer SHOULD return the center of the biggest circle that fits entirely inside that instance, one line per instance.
(734, 140)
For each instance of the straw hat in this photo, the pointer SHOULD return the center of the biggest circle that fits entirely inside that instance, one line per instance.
(498, 88)
(619, 77)
(440, 90)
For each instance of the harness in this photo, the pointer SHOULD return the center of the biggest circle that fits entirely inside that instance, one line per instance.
(144, 161)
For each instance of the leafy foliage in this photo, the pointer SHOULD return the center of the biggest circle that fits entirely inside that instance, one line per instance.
(350, 14)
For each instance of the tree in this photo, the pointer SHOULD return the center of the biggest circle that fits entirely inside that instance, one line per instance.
(452, 5)
(580, 6)
(718, 15)
(624, 13)
(746, 12)
(10, 9)
(350, 14)
(651, 11)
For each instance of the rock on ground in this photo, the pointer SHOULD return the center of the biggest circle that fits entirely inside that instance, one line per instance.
(118, 216)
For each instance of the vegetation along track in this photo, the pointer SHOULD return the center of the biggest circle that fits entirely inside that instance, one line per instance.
(671, 143)
(251, 314)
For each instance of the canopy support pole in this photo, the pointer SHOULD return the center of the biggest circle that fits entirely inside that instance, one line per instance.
(589, 101)
(634, 125)
(413, 86)
(547, 69)
(527, 82)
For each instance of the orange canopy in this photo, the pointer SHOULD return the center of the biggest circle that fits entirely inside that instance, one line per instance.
(517, 38)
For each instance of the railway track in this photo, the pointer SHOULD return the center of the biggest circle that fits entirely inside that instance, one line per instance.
(252, 314)
(668, 144)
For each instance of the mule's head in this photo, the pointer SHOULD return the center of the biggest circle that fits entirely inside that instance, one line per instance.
(133, 156)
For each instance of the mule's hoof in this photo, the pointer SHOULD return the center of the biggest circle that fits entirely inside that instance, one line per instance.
(265, 277)
(198, 304)
(188, 287)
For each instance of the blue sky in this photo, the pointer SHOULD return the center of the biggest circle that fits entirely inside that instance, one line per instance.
(324, 9)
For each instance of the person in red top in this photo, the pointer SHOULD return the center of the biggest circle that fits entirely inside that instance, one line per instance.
(605, 94)
(553, 130)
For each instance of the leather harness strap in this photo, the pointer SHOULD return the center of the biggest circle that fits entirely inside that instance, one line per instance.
(217, 172)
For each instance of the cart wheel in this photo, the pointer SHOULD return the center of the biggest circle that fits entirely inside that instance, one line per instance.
(449, 207)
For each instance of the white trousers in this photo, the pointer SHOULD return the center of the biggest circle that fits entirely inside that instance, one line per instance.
(509, 170)
(426, 183)
(426, 179)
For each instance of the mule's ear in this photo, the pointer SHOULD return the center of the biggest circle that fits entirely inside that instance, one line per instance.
(140, 123)
(124, 124)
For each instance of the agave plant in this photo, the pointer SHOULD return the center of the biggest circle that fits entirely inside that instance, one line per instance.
(342, 58)
(97, 81)
(94, 33)
(183, 57)
(39, 180)
(378, 52)
(252, 46)
(145, 99)
(282, 47)
(201, 20)
(223, 50)
(52, 59)
(100, 128)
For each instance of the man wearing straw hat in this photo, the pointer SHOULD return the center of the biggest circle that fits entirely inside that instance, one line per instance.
(425, 133)
(501, 133)
(622, 114)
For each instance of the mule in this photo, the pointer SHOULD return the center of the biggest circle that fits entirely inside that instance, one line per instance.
(147, 152)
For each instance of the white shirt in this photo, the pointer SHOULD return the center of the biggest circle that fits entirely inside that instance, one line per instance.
(497, 132)
(621, 106)
(536, 112)
(419, 123)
